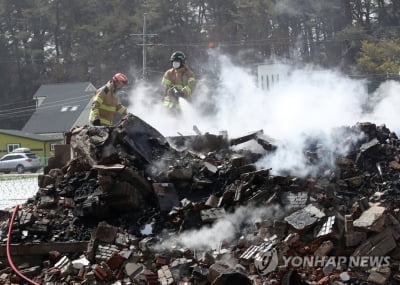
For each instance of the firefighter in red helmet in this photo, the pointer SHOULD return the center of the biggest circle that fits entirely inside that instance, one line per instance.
(106, 103)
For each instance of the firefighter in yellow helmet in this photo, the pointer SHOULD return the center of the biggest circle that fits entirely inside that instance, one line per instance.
(178, 81)
(106, 103)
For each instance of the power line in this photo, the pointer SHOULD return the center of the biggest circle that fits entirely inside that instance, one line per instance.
(52, 105)
(144, 35)
(72, 99)
(82, 98)
(17, 102)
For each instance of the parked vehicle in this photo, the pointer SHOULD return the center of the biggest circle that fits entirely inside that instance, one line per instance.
(22, 149)
(19, 162)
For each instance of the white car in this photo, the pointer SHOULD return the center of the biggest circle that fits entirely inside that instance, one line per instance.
(22, 149)
(19, 162)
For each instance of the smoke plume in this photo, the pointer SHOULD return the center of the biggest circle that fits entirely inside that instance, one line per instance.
(224, 230)
(308, 102)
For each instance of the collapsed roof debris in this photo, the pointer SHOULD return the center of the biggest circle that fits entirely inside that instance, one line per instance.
(126, 205)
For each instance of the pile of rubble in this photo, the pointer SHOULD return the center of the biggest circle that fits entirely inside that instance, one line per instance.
(114, 205)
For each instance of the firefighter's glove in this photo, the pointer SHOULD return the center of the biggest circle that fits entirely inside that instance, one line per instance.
(181, 94)
(174, 92)
(96, 122)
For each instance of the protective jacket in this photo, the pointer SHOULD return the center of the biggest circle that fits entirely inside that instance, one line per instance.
(183, 79)
(106, 105)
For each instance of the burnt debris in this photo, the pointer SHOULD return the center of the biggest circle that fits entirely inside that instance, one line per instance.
(126, 205)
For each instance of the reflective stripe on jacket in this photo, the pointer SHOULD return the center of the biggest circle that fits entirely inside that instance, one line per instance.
(106, 104)
(182, 78)
(171, 103)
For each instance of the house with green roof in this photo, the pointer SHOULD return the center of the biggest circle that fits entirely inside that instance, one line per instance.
(41, 145)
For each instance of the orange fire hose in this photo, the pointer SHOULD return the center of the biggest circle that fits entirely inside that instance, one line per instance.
(14, 268)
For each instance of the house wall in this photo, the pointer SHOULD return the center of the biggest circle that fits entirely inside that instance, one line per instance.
(269, 75)
(41, 148)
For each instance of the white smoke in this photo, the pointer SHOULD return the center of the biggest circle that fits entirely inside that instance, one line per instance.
(224, 230)
(286, 7)
(307, 102)
(384, 103)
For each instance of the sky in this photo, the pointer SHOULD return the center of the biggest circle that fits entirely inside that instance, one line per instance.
(307, 101)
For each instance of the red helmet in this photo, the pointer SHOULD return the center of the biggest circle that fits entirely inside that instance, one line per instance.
(120, 79)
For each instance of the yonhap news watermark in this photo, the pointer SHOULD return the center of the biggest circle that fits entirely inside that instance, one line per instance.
(349, 261)
(268, 261)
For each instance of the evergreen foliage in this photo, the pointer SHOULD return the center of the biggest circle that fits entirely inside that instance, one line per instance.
(50, 41)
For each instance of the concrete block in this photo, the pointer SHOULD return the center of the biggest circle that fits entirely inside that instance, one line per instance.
(209, 168)
(294, 200)
(324, 248)
(355, 238)
(212, 215)
(80, 262)
(215, 270)
(105, 233)
(378, 245)
(213, 201)
(238, 160)
(133, 269)
(348, 224)
(304, 218)
(184, 174)
(145, 243)
(379, 275)
(373, 219)
(122, 240)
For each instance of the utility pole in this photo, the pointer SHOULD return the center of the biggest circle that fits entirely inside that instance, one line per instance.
(144, 36)
(144, 46)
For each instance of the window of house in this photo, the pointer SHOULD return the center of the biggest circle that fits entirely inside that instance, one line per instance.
(12, 146)
(52, 146)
